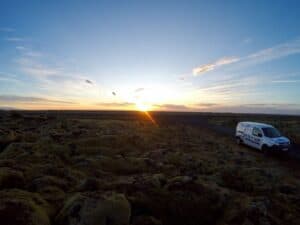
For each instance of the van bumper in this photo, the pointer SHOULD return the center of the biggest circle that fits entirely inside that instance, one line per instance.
(283, 148)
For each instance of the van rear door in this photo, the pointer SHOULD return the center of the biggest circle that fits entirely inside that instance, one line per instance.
(247, 135)
(256, 137)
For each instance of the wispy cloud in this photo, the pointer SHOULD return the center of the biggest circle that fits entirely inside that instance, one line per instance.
(285, 81)
(7, 77)
(21, 48)
(232, 84)
(211, 66)
(15, 39)
(6, 29)
(57, 81)
(247, 40)
(272, 105)
(30, 99)
(116, 105)
(172, 107)
(265, 55)
(278, 51)
(205, 105)
(32, 67)
(40, 71)
(139, 90)
(257, 108)
(25, 51)
(268, 108)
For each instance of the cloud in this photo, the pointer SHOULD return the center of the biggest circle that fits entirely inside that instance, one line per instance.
(260, 108)
(139, 89)
(275, 52)
(33, 68)
(247, 40)
(225, 86)
(172, 107)
(285, 81)
(88, 82)
(209, 67)
(7, 108)
(21, 48)
(265, 55)
(40, 71)
(9, 79)
(30, 99)
(14, 39)
(6, 29)
(57, 81)
(116, 105)
(279, 105)
(205, 105)
(28, 52)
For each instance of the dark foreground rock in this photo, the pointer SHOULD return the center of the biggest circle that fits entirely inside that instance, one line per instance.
(22, 208)
(182, 201)
(95, 209)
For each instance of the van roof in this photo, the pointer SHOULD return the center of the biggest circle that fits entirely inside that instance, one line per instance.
(260, 125)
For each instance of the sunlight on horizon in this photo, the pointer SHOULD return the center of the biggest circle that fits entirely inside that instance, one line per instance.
(143, 107)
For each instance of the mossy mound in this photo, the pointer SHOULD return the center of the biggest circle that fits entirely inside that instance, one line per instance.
(255, 180)
(95, 209)
(182, 201)
(7, 137)
(10, 178)
(22, 208)
(17, 151)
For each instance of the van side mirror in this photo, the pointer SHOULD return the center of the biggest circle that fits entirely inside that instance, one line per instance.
(259, 134)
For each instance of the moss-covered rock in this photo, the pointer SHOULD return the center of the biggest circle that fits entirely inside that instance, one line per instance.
(181, 202)
(121, 165)
(10, 178)
(146, 220)
(7, 137)
(88, 184)
(251, 179)
(94, 209)
(22, 208)
(46, 181)
(17, 151)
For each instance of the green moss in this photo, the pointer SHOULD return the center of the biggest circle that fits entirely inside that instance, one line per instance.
(22, 208)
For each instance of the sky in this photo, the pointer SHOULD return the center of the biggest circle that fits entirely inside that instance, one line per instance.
(219, 56)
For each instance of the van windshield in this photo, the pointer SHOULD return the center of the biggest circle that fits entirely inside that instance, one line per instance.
(271, 132)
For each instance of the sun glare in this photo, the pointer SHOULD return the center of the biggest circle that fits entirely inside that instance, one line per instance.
(142, 106)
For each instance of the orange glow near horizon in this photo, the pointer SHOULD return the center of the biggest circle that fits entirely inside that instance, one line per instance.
(150, 118)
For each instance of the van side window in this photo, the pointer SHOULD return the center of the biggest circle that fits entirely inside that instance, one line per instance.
(255, 131)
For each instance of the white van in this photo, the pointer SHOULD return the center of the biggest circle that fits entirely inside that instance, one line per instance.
(261, 136)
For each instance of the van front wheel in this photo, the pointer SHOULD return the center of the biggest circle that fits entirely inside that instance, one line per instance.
(239, 141)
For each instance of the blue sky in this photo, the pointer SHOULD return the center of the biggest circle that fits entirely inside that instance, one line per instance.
(237, 56)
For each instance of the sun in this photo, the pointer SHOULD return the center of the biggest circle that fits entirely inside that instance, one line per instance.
(142, 106)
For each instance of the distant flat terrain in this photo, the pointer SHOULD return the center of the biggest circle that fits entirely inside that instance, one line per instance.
(114, 167)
